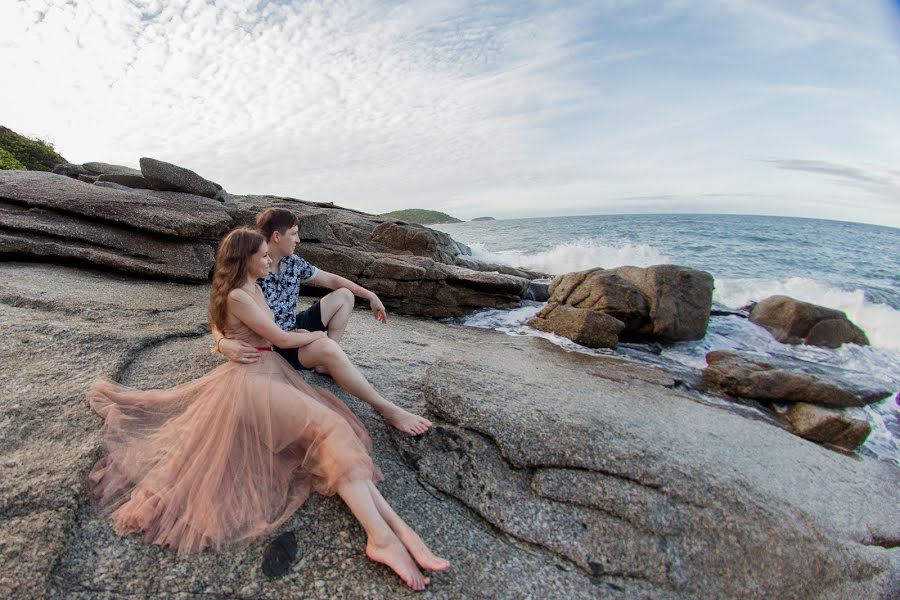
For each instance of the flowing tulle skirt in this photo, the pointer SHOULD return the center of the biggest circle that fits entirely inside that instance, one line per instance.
(223, 459)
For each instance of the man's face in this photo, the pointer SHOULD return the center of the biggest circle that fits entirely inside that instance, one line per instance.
(286, 241)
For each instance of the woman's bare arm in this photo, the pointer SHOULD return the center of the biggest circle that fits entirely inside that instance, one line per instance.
(242, 306)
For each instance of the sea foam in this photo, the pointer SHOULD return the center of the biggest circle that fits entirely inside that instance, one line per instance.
(578, 255)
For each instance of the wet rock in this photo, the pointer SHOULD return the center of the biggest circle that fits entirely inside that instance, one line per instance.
(827, 425)
(785, 381)
(678, 298)
(538, 291)
(586, 327)
(603, 291)
(165, 176)
(792, 321)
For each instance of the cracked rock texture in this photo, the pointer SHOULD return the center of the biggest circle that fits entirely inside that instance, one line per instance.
(548, 474)
(172, 235)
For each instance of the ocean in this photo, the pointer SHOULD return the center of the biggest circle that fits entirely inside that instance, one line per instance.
(849, 266)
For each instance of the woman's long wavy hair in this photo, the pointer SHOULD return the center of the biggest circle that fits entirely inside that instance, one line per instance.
(230, 271)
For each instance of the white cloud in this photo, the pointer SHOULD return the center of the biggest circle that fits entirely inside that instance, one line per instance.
(479, 107)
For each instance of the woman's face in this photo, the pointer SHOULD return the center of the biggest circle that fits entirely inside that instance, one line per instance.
(259, 262)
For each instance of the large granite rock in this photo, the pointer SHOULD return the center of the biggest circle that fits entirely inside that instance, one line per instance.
(132, 181)
(645, 489)
(603, 291)
(167, 177)
(662, 302)
(792, 321)
(784, 380)
(102, 168)
(549, 474)
(71, 170)
(586, 327)
(48, 216)
(678, 298)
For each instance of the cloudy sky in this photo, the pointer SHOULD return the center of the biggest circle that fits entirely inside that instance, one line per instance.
(508, 109)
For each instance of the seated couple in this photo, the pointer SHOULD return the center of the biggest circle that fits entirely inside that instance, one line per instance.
(227, 458)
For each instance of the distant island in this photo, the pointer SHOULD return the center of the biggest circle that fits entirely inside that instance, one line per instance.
(484, 219)
(421, 216)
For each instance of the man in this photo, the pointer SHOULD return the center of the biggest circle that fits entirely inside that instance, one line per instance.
(281, 288)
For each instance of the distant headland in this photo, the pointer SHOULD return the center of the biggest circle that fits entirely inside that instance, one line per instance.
(422, 216)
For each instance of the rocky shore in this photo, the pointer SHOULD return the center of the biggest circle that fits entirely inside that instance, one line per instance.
(548, 473)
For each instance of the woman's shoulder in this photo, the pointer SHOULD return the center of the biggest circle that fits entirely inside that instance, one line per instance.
(239, 295)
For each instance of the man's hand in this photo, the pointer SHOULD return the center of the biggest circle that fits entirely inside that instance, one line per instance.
(378, 309)
(238, 351)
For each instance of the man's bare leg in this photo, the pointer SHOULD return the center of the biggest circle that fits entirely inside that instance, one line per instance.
(383, 545)
(336, 309)
(410, 539)
(327, 353)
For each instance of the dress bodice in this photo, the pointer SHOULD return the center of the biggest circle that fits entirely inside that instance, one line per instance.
(236, 330)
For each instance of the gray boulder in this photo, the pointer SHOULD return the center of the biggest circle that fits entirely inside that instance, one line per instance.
(165, 176)
(53, 217)
(131, 181)
(785, 381)
(792, 321)
(102, 168)
(70, 170)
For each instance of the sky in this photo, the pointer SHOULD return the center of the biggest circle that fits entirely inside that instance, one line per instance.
(503, 109)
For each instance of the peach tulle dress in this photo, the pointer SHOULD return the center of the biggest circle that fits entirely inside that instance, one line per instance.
(226, 458)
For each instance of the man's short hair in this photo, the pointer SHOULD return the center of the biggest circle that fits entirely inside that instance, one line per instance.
(275, 219)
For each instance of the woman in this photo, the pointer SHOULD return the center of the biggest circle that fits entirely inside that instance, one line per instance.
(228, 458)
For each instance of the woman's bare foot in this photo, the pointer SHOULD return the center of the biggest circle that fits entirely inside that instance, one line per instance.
(418, 549)
(405, 421)
(393, 554)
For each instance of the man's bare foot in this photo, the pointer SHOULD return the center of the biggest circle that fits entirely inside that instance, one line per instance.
(418, 549)
(405, 421)
(393, 554)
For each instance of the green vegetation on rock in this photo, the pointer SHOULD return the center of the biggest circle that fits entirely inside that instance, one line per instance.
(421, 216)
(20, 152)
(9, 162)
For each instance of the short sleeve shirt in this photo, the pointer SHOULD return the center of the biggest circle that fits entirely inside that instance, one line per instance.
(281, 291)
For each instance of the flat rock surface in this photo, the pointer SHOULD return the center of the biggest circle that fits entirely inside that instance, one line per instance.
(606, 483)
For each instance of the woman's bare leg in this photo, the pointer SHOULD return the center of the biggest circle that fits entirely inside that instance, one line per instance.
(383, 544)
(410, 539)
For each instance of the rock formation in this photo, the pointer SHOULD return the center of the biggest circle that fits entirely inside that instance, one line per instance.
(791, 321)
(662, 302)
(548, 473)
(173, 235)
(744, 376)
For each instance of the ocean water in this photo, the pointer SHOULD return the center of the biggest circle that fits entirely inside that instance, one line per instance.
(849, 266)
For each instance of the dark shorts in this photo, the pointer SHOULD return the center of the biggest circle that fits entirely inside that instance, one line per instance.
(310, 320)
